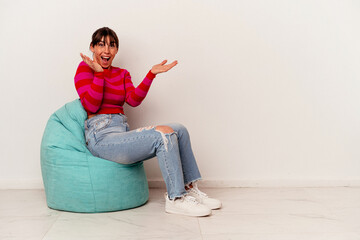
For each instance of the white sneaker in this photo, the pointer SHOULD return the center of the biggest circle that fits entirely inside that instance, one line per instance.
(212, 203)
(186, 205)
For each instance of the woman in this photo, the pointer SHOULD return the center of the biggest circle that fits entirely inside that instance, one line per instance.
(103, 90)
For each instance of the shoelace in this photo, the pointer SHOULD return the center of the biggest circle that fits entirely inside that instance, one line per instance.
(198, 192)
(189, 199)
(185, 198)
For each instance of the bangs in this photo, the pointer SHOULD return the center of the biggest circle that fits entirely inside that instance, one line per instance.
(104, 32)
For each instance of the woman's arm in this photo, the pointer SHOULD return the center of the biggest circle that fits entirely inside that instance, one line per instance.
(134, 96)
(160, 68)
(89, 85)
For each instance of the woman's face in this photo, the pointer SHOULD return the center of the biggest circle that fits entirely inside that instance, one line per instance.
(104, 52)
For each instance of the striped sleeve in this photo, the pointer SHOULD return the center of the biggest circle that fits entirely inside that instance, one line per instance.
(90, 87)
(134, 96)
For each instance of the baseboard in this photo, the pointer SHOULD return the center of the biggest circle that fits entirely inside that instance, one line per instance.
(21, 184)
(209, 183)
(206, 183)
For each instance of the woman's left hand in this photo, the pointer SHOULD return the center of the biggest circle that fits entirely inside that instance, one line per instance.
(160, 68)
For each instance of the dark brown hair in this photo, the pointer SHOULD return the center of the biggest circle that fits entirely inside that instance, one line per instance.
(104, 32)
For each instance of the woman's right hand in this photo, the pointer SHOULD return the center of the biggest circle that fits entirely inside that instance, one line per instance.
(92, 64)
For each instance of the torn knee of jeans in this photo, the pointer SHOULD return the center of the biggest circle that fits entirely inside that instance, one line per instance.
(164, 129)
(165, 139)
(145, 128)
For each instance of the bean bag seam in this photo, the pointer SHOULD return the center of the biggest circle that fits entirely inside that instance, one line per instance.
(92, 184)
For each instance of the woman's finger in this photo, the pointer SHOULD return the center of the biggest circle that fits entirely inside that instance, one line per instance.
(173, 63)
(84, 57)
(163, 62)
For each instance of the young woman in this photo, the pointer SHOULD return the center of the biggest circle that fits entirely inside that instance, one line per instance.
(103, 90)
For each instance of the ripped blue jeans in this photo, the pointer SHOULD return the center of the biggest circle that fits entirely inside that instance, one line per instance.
(108, 137)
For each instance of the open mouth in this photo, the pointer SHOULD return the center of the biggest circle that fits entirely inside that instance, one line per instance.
(105, 59)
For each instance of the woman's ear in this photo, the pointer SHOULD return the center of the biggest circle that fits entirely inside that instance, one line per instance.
(92, 49)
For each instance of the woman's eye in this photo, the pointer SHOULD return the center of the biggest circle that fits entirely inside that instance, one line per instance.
(101, 44)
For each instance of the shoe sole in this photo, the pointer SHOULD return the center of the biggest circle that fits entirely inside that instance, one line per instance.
(214, 208)
(173, 211)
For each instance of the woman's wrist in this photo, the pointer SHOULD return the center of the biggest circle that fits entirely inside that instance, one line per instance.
(151, 75)
(153, 72)
(99, 74)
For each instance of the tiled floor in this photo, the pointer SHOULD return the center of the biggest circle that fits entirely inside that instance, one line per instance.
(247, 213)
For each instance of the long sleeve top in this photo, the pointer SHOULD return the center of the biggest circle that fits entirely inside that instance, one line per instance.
(106, 92)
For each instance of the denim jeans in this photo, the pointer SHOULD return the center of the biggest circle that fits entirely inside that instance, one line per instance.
(108, 137)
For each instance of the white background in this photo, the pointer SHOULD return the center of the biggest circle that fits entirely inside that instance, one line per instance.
(269, 90)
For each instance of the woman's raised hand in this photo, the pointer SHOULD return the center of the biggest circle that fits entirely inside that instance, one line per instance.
(94, 65)
(160, 68)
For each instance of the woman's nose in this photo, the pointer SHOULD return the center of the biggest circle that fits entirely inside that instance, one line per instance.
(107, 48)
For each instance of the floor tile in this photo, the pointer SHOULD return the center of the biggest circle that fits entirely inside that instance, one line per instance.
(266, 201)
(131, 224)
(247, 213)
(285, 236)
(25, 227)
(270, 224)
(24, 203)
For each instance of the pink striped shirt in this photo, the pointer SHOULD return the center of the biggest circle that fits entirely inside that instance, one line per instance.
(104, 92)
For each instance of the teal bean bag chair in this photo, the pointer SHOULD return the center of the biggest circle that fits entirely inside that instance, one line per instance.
(75, 180)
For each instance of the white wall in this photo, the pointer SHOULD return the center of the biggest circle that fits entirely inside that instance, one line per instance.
(269, 90)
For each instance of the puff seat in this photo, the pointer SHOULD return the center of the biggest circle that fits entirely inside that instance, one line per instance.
(75, 180)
